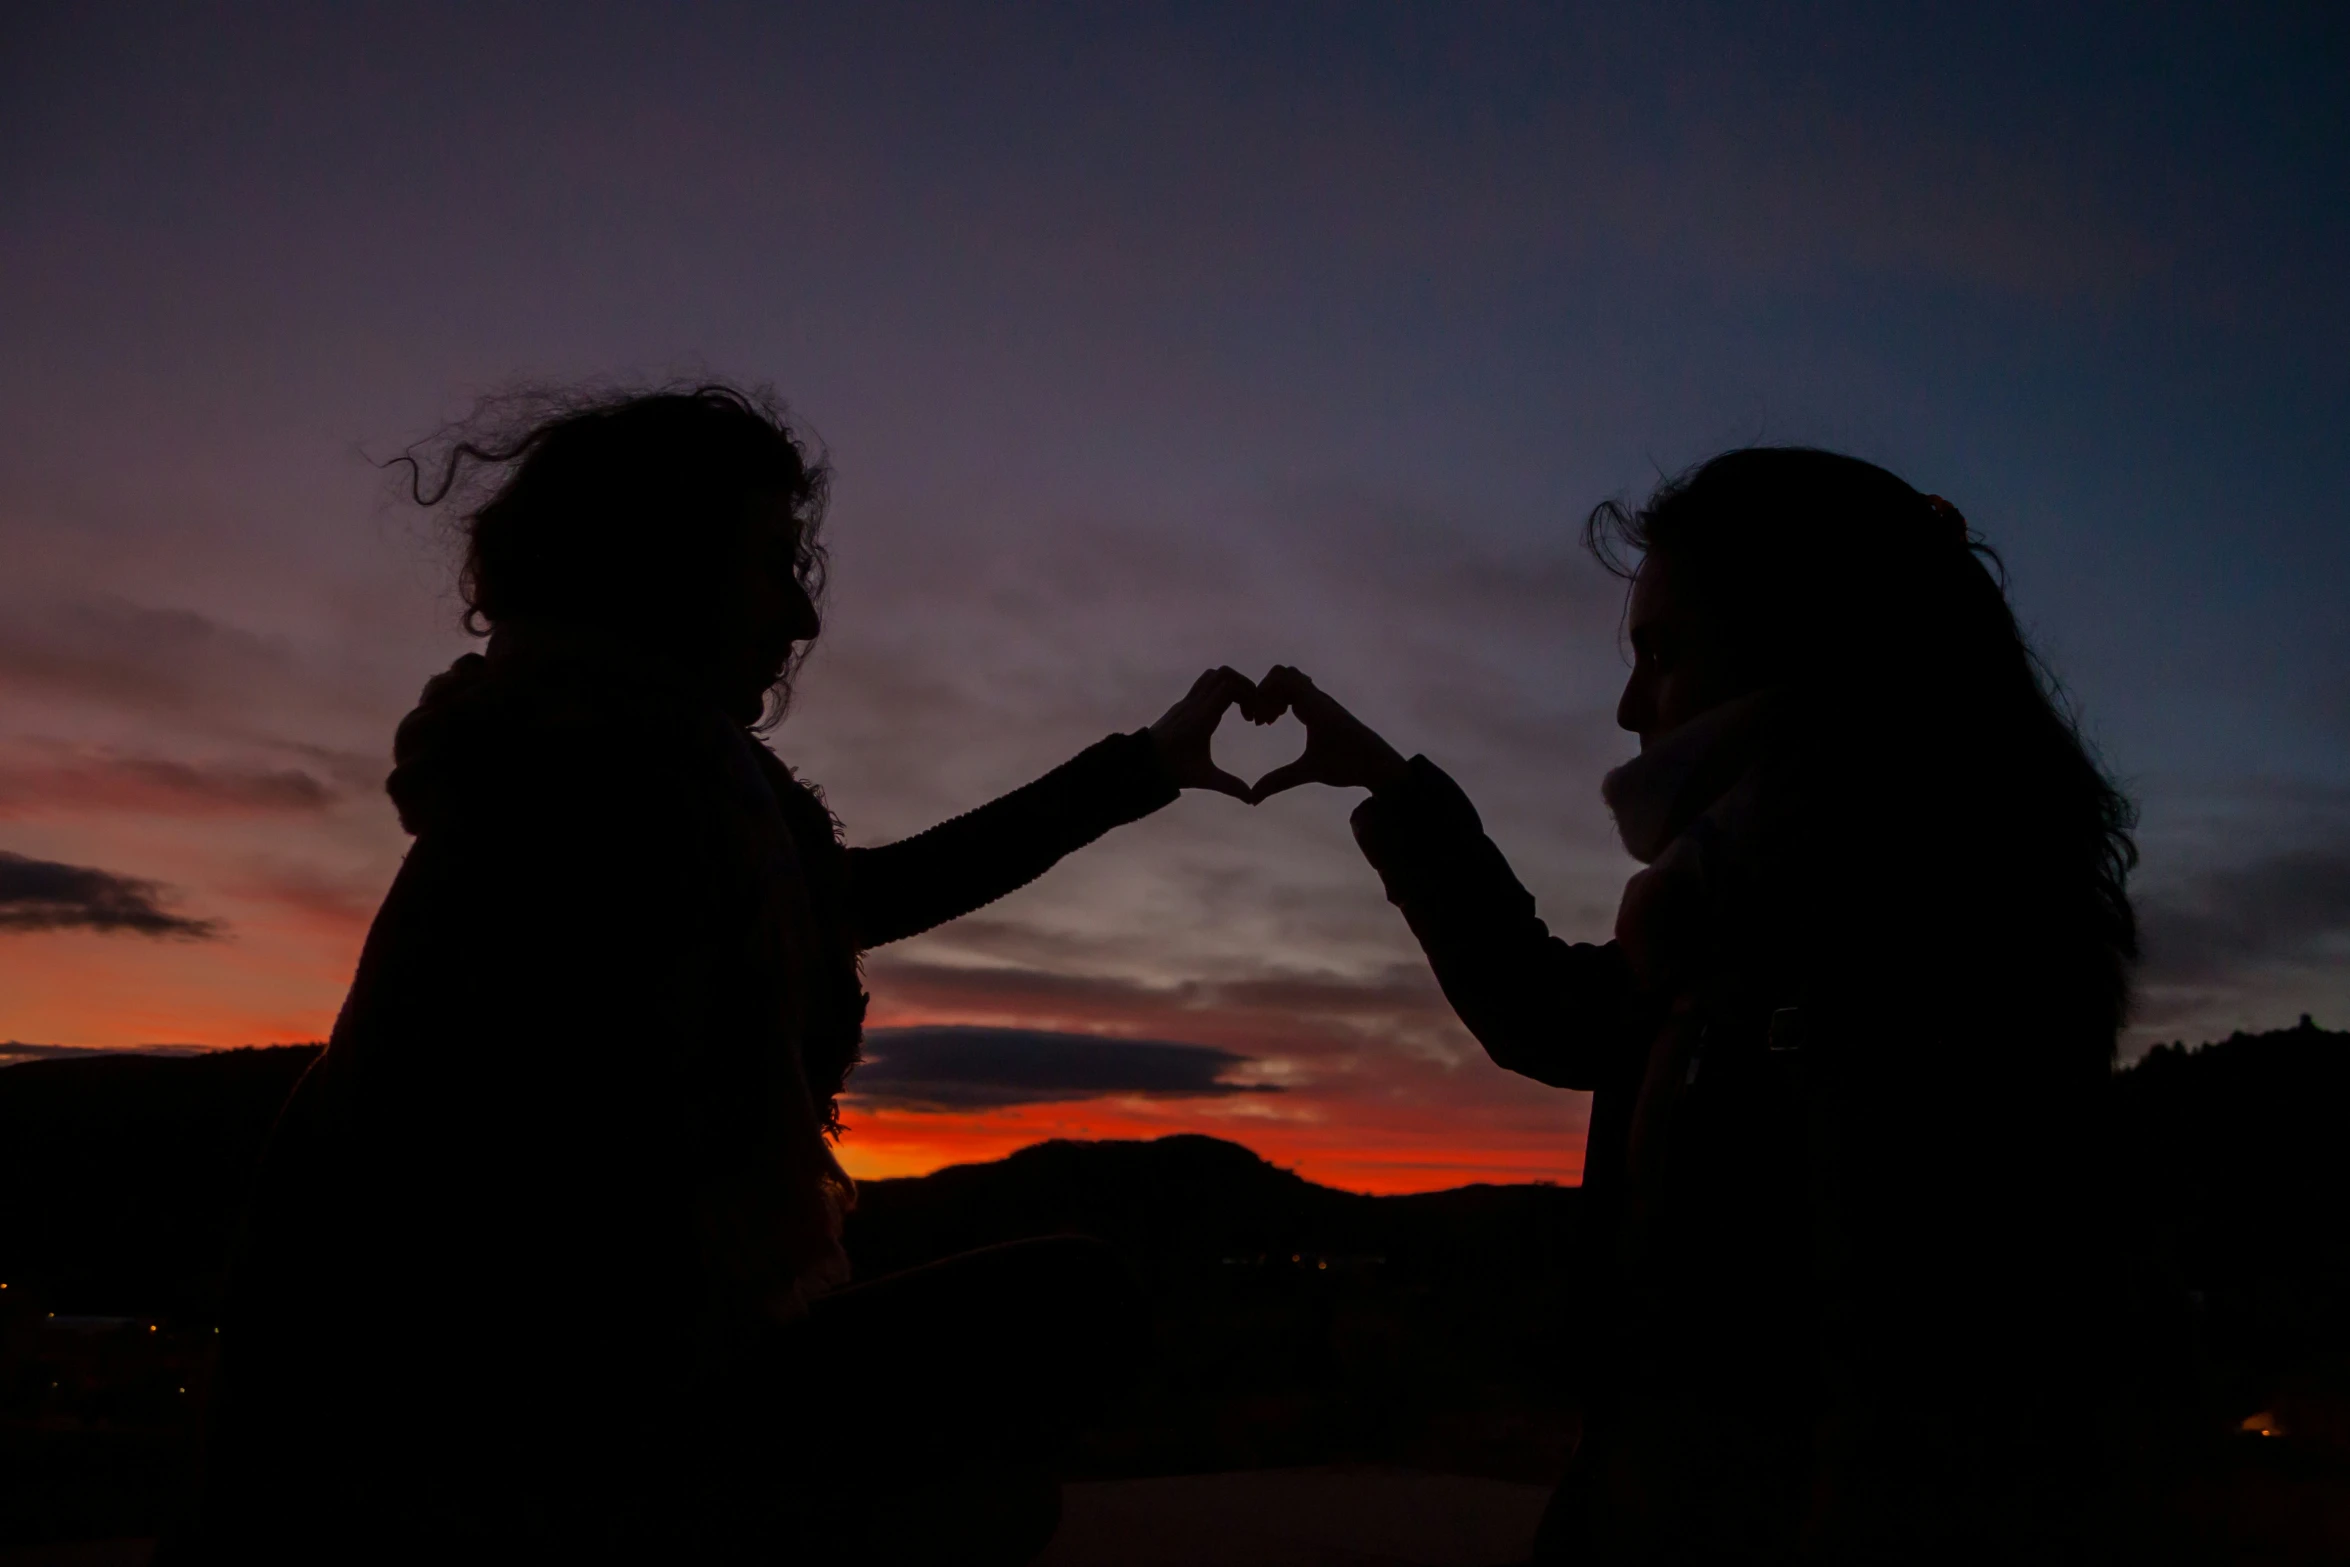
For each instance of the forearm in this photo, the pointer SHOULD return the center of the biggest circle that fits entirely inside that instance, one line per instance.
(905, 888)
(1550, 1010)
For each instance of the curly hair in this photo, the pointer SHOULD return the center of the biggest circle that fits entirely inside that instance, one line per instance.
(621, 508)
(1882, 614)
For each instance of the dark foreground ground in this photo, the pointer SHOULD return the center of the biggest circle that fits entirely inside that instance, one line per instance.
(2275, 1510)
(1266, 1518)
(1338, 1378)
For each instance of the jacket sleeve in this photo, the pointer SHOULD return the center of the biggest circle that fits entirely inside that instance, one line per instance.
(905, 888)
(1560, 1013)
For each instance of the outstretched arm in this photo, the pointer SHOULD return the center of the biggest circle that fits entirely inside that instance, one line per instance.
(905, 888)
(1567, 1015)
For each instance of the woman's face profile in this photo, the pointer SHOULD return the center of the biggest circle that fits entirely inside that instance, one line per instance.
(770, 612)
(1677, 670)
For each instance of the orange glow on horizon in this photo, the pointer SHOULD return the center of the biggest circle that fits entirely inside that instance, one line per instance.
(1365, 1120)
(1385, 1159)
(71, 988)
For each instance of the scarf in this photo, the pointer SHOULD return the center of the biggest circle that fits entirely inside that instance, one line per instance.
(1698, 808)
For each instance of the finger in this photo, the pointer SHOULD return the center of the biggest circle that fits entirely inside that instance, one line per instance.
(1209, 695)
(1275, 692)
(1313, 705)
(1285, 777)
(1258, 708)
(1231, 686)
(1213, 692)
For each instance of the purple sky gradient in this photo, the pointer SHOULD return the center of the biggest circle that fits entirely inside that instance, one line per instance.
(1146, 339)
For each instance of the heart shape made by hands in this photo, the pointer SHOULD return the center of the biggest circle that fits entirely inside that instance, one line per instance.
(1249, 751)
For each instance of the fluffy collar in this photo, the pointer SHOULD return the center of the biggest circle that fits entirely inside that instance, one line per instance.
(1657, 795)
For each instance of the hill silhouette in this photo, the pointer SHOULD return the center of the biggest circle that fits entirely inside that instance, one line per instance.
(1295, 1323)
(125, 1174)
(1191, 1199)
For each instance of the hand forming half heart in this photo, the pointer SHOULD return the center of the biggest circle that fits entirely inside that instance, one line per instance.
(1184, 730)
(1341, 750)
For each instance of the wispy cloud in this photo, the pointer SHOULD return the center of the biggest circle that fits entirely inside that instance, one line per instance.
(81, 781)
(115, 652)
(2249, 943)
(2279, 909)
(338, 902)
(39, 895)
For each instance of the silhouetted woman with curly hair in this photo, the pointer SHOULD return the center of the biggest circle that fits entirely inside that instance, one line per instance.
(545, 1262)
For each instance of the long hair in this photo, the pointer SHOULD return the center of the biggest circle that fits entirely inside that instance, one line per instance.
(619, 509)
(1887, 622)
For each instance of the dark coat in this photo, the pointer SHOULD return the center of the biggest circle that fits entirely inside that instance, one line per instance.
(561, 1165)
(1839, 1295)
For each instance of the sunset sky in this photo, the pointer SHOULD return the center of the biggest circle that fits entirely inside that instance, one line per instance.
(1143, 339)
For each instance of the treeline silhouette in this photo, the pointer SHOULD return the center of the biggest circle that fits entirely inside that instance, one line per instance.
(2233, 1159)
(1295, 1323)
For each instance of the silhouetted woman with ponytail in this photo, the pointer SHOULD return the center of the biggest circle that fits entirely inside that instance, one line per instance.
(1845, 1294)
(545, 1263)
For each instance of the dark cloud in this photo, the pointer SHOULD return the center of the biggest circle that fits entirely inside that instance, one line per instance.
(2277, 909)
(158, 786)
(1396, 994)
(47, 895)
(959, 1068)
